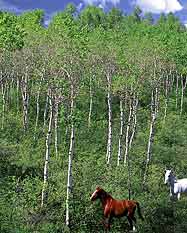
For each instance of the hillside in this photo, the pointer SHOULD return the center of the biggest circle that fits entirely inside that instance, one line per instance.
(94, 99)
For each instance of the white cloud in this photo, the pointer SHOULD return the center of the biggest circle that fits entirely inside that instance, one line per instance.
(158, 6)
(80, 6)
(47, 22)
(101, 2)
(101, 6)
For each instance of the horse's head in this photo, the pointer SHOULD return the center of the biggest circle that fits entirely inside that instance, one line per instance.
(96, 194)
(168, 176)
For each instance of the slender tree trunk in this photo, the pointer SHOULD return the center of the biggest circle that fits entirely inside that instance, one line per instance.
(25, 101)
(129, 178)
(183, 87)
(38, 105)
(46, 109)
(3, 90)
(166, 98)
(10, 96)
(47, 155)
(133, 103)
(13, 100)
(151, 137)
(17, 93)
(56, 127)
(128, 131)
(109, 143)
(70, 160)
(91, 103)
(176, 91)
(121, 131)
(172, 80)
(134, 116)
(7, 95)
(154, 111)
(127, 145)
(67, 115)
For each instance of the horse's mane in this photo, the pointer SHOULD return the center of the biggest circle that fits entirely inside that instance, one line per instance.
(105, 193)
(174, 177)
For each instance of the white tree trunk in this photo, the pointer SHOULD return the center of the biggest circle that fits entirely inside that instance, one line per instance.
(166, 97)
(56, 128)
(11, 94)
(170, 81)
(70, 159)
(154, 105)
(3, 89)
(17, 94)
(7, 95)
(91, 103)
(47, 155)
(128, 131)
(129, 178)
(121, 132)
(133, 104)
(134, 116)
(109, 143)
(46, 109)
(25, 99)
(183, 86)
(172, 78)
(38, 105)
(154, 112)
(176, 91)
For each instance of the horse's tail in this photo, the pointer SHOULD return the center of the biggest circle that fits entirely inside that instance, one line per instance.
(139, 211)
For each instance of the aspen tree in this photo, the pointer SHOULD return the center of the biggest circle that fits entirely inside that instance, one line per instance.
(38, 102)
(154, 112)
(166, 96)
(47, 152)
(176, 90)
(17, 93)
(58, 97)
(109, 142)
(56, 107)
(128, 130)
(91, 102)
(71, 152)
(183, 87)
(120, 147)
(134, 118)
(3, 91)
(25, 98)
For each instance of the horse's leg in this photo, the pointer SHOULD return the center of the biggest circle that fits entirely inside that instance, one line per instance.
(107, 223)
(132, 217)
(178, 196)
(130, 222)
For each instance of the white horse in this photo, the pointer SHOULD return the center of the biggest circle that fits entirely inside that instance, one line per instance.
(176, 186)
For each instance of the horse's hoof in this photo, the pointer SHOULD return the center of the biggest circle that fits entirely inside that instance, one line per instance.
(133, 230)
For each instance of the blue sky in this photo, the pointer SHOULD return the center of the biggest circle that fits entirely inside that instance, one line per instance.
(179, 7)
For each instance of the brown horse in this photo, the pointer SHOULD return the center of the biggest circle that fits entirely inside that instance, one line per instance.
(116, 208)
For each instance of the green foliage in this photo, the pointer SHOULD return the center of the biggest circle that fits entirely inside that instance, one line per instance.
(11, 33)
(32, 20)
(92, 17)
(81, 51)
